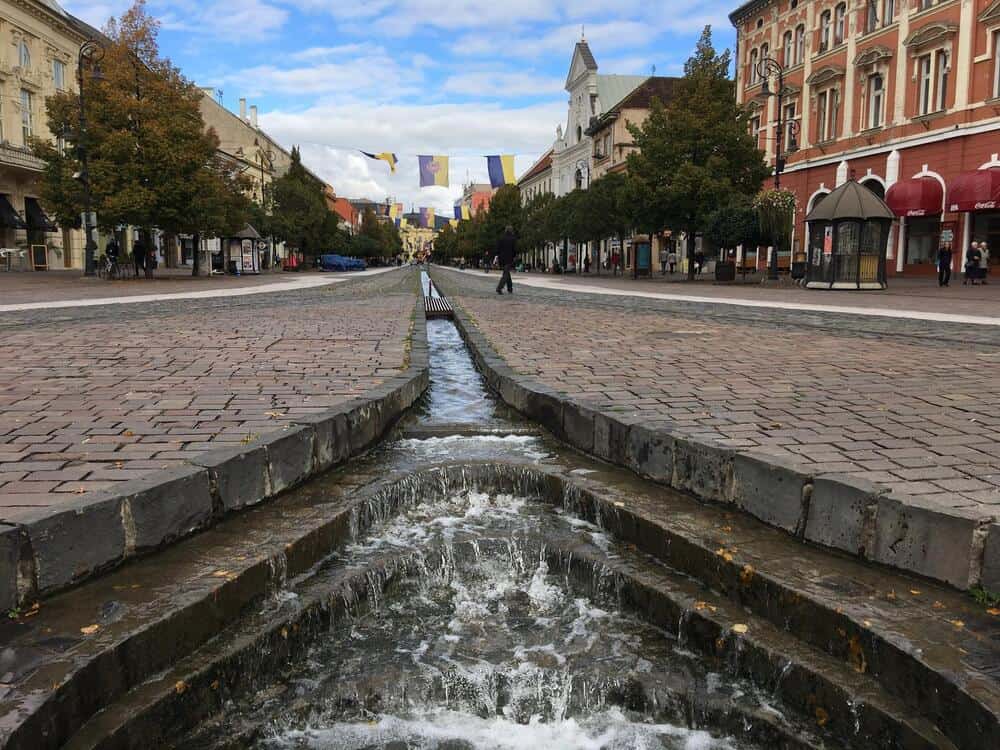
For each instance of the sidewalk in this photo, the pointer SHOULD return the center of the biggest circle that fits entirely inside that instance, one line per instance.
(918, 299)
(50, 289)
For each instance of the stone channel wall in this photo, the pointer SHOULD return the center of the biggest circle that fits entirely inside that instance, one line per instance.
(62, 546)
(837, 511)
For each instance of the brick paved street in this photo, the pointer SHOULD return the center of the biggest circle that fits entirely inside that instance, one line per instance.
(909, 405)
(91, 396)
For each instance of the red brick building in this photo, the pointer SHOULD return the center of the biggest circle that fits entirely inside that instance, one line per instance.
(902, 95)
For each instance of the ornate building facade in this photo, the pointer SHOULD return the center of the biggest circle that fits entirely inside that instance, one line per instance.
(902, 95)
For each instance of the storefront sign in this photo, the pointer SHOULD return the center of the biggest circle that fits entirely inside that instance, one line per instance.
(947, 235)
(986, 206)
(916, 212)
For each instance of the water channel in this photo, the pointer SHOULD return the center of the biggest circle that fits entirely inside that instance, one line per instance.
(476, 630)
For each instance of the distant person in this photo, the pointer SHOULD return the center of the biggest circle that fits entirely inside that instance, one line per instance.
(112, 251)
(616, 260)
(506, 254)
(672, 261)
(139, 255)
(664, 259)
(973, 257)
(944, 264)
(699, 262)
(586, 263)
(984, 250)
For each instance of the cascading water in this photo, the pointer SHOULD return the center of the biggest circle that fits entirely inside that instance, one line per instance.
(470, 627)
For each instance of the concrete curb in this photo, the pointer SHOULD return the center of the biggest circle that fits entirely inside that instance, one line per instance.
(831, 510)
(47, 549)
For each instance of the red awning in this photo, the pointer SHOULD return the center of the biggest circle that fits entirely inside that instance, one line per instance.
(922, 196)
(975, 191)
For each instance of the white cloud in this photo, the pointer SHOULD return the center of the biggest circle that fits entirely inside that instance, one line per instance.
(491, 84)
(329, 136)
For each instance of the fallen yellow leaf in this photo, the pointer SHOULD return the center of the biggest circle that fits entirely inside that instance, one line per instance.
(180, 686)
(957, 623)
(90, 629)
(915, 592)
(937, 605)
(740, 628)
(993, 611)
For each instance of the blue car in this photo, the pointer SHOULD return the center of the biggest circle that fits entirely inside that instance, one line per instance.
(332, 262)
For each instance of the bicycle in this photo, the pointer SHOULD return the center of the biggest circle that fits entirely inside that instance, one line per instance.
(108, 269)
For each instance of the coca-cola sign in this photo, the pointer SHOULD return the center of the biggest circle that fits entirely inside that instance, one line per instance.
(985, 206)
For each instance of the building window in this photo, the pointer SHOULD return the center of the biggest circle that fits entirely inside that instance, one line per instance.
(765, 50)
(26, 120)
(579, 133)
(607, 144)
(59, 74)
(825, 23)
(840, 24)
(941, 85)
(827, 110)
(788, 52)
(753, 66)
(789, 126)
(23, 55)
(755, 130)
(876, 100)
(888, 12)
(996, 63)
(871, 16)
(800, 43)
(3, 136)
(924, 82)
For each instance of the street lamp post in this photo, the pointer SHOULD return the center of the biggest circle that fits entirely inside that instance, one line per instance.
(766, 69)
(90, 55)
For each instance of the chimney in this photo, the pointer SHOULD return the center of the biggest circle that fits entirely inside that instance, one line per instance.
(243, 108)
(253, 115)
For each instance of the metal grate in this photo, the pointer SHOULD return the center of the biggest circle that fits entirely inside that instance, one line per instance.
(437, 307)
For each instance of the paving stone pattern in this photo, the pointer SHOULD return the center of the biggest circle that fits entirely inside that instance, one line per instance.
(910, 406)
(93, 396)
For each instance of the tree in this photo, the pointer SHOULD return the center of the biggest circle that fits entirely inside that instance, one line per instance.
(504, 211)
(151, 161)
(298, 208)
(735, 224)
(697, 154)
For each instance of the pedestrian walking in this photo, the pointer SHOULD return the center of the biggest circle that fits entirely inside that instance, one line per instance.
(586, 263)
(615, 262)
(664, 259)
(972, 259)
(486, 262)
(699, 262)
(507, 254)
(139, 255)
(944, 264)
(984, 250)
(672, 261)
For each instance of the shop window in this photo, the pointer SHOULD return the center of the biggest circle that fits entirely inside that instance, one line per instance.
(876, 100)
(924, 82)
(800, 43)
(825, 23)
(922, 240)
(788, 51)
(840, 23)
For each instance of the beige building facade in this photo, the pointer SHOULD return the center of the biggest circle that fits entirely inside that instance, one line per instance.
(39, 41)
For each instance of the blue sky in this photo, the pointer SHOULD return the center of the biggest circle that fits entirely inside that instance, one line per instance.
(452, 77)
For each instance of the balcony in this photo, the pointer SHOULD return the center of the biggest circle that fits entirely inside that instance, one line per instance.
(19, 158)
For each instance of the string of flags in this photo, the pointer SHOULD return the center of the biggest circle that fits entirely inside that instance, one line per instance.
(434, 169)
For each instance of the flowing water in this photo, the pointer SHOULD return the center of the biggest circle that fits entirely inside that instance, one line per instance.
(476, 631)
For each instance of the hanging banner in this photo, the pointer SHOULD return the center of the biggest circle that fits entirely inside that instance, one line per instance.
(433, 171)
(386, 156)
(427, 218)
(501, 169)
(466, 212)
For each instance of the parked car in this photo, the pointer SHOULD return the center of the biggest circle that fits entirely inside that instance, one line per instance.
(332, 262)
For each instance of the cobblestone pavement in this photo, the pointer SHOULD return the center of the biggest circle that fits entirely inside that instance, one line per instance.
(909, 405)
(94, 395)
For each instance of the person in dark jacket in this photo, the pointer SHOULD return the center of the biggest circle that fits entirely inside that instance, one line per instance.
(139, 255)
(944, 264)
(506, 254)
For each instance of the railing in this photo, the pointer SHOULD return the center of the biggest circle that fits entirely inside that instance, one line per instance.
(18, 156)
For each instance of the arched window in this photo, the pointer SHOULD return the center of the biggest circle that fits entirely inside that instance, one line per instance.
(800, 43)
(24, 55)
(788, 52)
(825, 23)
(579, 133)
(753, 66)
(765, 50)
(579, 179)
(840, 23)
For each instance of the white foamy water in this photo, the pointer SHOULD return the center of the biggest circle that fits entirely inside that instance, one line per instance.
(607, 730)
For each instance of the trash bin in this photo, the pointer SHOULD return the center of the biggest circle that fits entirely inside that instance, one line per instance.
(725, 270)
